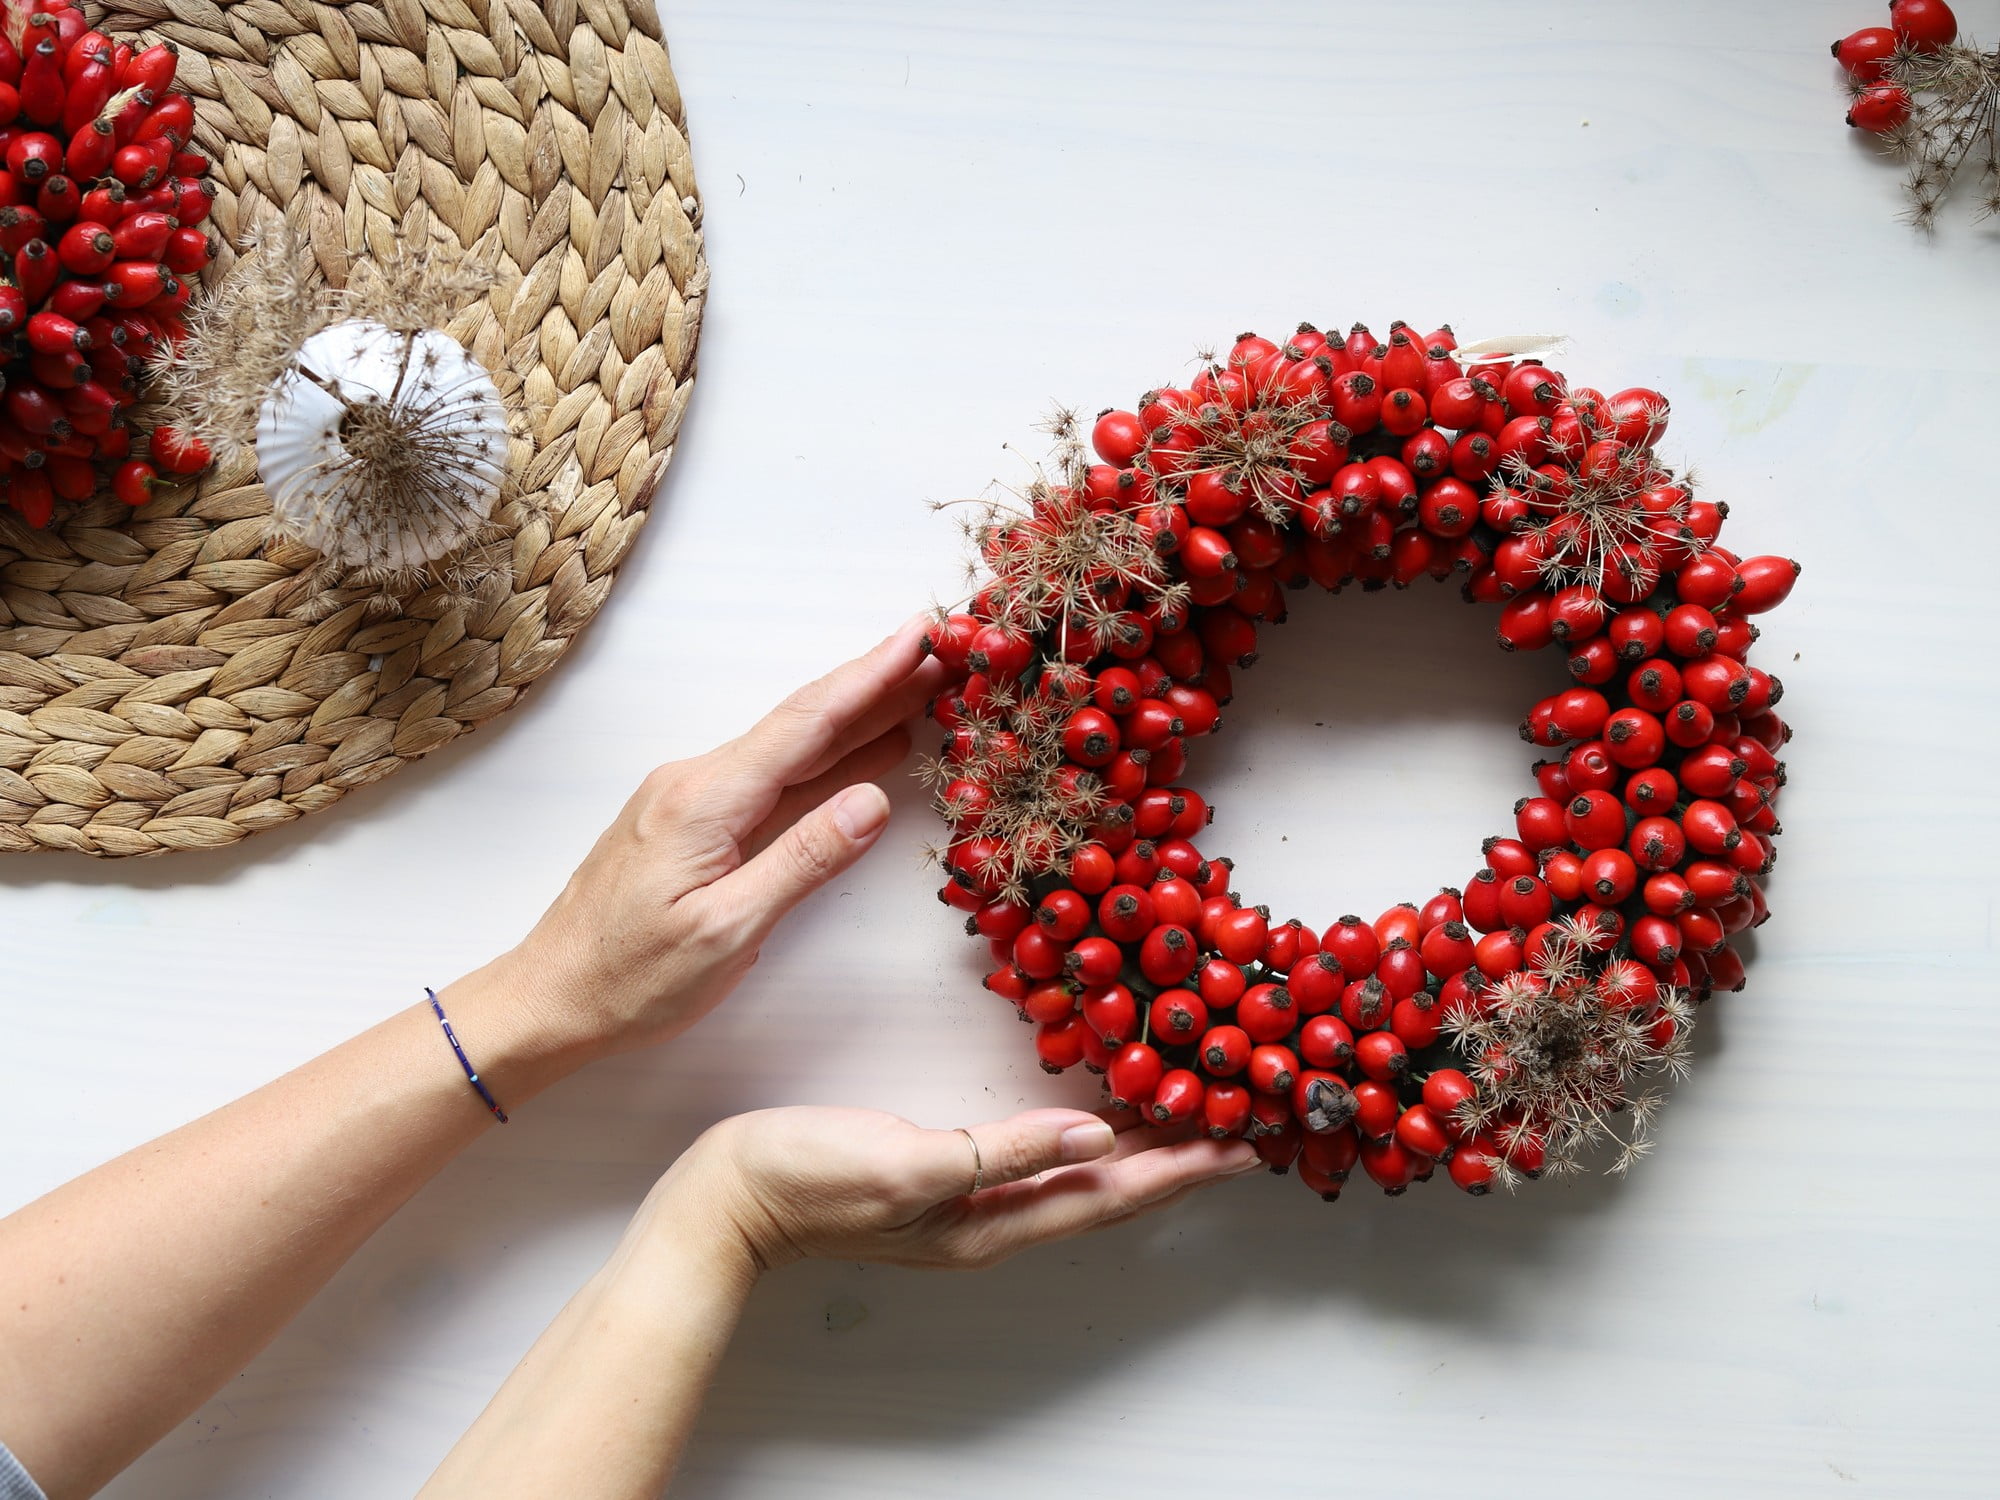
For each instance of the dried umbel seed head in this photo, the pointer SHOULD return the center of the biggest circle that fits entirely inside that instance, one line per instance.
(383, 444)
(1951, 125)
(382, 448)
(1065, 579)
(1557, 1052)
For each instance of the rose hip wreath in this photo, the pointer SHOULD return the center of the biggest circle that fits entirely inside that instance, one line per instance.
(100, 199)
(1501, 1030)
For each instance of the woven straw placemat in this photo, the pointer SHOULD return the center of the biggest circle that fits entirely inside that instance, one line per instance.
(169, 682)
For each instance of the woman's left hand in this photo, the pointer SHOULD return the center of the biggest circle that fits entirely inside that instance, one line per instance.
(668, 911)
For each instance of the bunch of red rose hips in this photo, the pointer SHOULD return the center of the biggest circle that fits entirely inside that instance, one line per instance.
(1880, 104)
(100, 206)
(1132, 589)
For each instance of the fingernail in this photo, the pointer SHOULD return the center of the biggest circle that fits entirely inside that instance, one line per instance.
(860, 811)
(1249, 1163)
(1088, 1142)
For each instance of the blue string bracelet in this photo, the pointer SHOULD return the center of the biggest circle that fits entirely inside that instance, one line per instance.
(471, 1073)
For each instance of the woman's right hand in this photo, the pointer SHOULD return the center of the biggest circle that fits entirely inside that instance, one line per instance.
(856, 1184)
(606, 1400)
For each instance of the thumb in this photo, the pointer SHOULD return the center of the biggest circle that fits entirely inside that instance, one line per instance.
(1002, 1151)
(809, 854)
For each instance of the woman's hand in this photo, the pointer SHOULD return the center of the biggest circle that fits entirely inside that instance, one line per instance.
(855, 1184)
(667, 912)
(605, 1401)
(131, 1307)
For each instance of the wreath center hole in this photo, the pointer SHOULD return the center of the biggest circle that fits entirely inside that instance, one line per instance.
(1369, 751)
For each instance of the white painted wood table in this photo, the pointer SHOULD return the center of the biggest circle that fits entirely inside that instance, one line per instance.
(927, 220)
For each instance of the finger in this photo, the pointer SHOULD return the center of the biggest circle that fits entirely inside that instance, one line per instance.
(1103, 1193)
(1128, 1142)
(785, 745)
(1162, 1204)
(1155, 1135)
(1131, 1138)
(900, 703)
(1004, 1151)
(869, 763)
(805, 857)
(1133, 1143)
(1129, 1120)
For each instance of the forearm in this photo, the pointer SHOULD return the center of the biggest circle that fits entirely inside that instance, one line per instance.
(132, 1293)
(602, 1405)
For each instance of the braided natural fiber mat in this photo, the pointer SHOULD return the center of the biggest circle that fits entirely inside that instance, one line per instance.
(167, 681)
